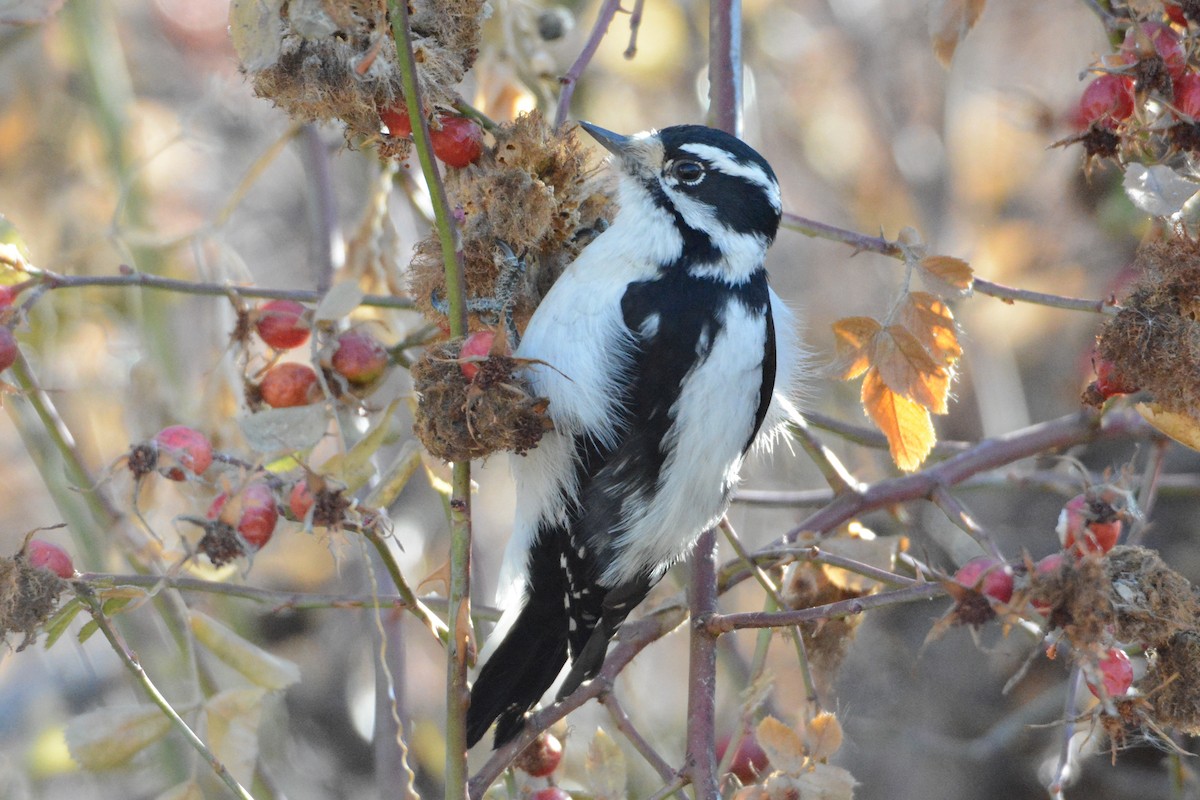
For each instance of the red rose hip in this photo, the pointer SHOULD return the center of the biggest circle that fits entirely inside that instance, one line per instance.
(1106, 101)
(182, 450)
(288, 385)
(1116, 673)
(359, 358)
(987, 576)
(280, 324)
(252, 512)
(477, 345)
(458, 142)
(45, 555)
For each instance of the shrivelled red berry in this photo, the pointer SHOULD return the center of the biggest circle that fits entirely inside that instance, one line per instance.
(359, 358)
(49, 556)
(1116, 673)
(300, 499)
(457, 142)
(987, 576)
(396, 119)
(280, 323)
(1088, 525)
(182, 450)
(252, 512)
(477, 345)
(541, 757)
(8, 347)
(1106, 101)
(288, 385)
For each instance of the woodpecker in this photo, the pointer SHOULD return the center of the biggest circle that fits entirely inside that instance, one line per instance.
(665, 356)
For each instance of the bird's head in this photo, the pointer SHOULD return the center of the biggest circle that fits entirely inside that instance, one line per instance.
(722, 195)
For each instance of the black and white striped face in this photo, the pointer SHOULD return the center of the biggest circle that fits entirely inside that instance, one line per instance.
(721, 195)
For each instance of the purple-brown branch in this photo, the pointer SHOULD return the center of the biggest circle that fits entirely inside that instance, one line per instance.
(568, 81)
(635, 637)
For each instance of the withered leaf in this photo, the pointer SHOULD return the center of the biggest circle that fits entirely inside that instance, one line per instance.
(854, 340)
(931, 321)
(907, 425)
(907, 368)
(783, 746)
(823, 736)
(946, 275)
(605, 767)
(949, 23)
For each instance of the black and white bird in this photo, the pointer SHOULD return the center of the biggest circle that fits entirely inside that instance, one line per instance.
(665, 356)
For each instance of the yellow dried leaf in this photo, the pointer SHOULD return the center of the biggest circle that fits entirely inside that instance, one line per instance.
(783, 746)
(263, 668)
(108, 737)
(605, 767)
(931, 321)
(949, 23)
(233, 717)
(854, 338)
(908, 369)
(946, 275)
(823, 736)
(1180, 427)
(906, 424)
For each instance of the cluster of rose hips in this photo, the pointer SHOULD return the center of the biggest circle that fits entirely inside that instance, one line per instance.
(356, 357)
(1089, 525)
(456, 140)
(1150, 71)
(241, 520)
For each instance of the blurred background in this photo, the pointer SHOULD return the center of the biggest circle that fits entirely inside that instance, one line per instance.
(129, 136)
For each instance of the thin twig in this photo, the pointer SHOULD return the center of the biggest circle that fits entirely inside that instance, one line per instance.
(724, 623)
(635, 24)
(872, 437)
(411, 601)
(701, 762)
(772, 591)
(673, 787)
(144, 280)
(957, 513)
(607, 11)
(634, 637)
(276, 599)
(877, 244)
(832, 470)
(1062, 769)
(326, 249)
(130, 661)
(988, 454)
(629, 730)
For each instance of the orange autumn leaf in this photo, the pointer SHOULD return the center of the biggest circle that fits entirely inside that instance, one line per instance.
(906, 367)
(931, 321)
(946, 275)
(855, 337)
(907, 425)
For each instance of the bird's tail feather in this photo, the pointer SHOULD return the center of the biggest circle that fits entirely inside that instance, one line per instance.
(519, 672)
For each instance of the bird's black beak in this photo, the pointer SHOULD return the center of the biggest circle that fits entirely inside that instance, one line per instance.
(615, 143)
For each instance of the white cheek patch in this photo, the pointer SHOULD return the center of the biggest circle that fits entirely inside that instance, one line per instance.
(742, 254)
(722, 161)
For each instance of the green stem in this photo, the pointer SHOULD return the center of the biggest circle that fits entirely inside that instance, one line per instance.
(131, 663)
(411, 602)
(459, 596)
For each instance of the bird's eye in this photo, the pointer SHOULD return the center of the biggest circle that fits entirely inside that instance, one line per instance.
(688, 172)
